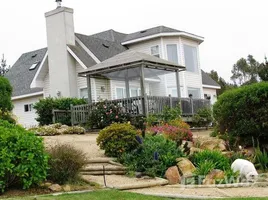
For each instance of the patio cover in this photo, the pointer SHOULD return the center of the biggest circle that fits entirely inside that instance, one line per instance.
(130, 59)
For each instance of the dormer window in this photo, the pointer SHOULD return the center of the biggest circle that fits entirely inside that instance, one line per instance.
(155, 51)
(105, 45)
(33, 66)
(144, 31)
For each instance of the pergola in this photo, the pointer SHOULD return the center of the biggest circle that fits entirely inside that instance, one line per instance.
(131, 65)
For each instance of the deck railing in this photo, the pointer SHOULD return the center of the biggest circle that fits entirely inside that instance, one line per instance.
(137, 106)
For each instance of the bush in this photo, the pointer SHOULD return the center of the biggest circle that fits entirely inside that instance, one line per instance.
(5, 95)
(23, 161)
(7, 116)
(203, 168)
(261, 159)
(168, 114)
(203, 117)
(179, 123)
(65, 163)
(221, 162)
(57, 129)
(171, 132)
(153, 157)
(243, 112)
(45, 106)
(104, 114)
(117, 139)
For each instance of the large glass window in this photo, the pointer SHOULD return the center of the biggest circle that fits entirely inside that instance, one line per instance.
(155, 51)
(120, 93)
(195, 92)
(190, 55)
(172, 53)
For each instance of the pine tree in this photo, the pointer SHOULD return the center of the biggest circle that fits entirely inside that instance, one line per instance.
(3, 66)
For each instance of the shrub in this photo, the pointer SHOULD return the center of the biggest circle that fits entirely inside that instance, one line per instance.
(203, 168)
(171, 132)
(117, 139)
(5, 95)
(7, 116)
(104, 114)
(45, 107)
(179, 123)
(221, 162)
(23, 161)
(57, 129)
(153, 157)
(168, 114)
(203, 117)
(261, 159)
(243, 112)
(65, 163)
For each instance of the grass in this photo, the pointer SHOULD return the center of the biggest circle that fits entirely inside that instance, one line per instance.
(108, 195)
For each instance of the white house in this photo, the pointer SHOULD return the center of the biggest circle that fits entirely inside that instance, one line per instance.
(53, 71)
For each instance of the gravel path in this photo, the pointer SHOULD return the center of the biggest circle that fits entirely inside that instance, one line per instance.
(86, 143)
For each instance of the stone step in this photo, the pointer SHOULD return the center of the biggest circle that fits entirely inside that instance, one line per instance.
(100, 160)
(100, 173)
(98, 167)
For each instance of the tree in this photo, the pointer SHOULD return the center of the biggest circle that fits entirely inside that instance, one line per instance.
(245, 71)
(224, 85)
(5, 95)
(263, 70)
(3, 66)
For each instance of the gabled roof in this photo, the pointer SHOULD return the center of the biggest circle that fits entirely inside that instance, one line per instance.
(20, 76)
(110, 35)
(102, 49)
(129, 59)
(207, 80)
(82, 55)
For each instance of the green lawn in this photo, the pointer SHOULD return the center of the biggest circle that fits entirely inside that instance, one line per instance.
(107, 195)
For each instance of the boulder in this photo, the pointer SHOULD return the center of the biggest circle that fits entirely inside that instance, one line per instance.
(66, 188)
(172, 175)
(55, 188)
(212, 176)
(210, 143)
(185, 166)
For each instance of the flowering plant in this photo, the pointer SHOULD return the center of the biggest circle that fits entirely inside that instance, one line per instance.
(104, 114)
(171, 132)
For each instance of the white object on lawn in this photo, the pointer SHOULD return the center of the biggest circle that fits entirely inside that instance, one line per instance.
(246, 169)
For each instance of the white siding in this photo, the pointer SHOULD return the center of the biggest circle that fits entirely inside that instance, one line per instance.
(82, 82)
(26, 119)
(102, 95)
(212, 93)
(145, 46)
(46, 86)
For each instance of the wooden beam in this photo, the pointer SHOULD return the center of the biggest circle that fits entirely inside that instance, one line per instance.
(178, 84)
(89, 91)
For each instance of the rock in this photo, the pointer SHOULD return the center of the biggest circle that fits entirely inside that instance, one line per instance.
(212, 176)
(173, 176)
(66, 188)
(185, 166)
(47, 184)
(210, 143)
(138, 174)
(55, 188)
(195, 150)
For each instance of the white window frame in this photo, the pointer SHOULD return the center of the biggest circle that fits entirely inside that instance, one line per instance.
(124, 92)
(177, 48)
(155, 54)
(29, 106)
(197, 58)
(80, 94)
(193, 88)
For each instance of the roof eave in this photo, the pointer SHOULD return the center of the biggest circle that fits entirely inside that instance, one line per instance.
(199, 39)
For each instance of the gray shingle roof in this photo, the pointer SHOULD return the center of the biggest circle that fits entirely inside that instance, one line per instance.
(102, 49)
(82, 55)
(148, 32)
(207, 80)
(21, 77)
(130, 57)
(110, 35)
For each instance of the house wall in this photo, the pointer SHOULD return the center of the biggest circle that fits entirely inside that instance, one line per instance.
(26, 119)
(212, 93)
(168, 81)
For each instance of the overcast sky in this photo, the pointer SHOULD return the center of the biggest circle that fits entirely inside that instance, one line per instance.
(232, 28)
